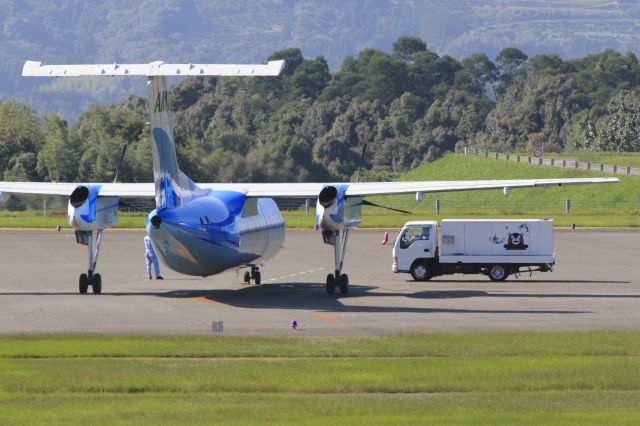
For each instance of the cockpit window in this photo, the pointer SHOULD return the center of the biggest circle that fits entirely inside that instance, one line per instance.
(413, 234)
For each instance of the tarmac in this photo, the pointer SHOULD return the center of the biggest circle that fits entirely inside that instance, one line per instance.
(595, 286)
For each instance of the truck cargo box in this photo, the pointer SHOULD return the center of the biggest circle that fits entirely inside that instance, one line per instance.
(496, 237)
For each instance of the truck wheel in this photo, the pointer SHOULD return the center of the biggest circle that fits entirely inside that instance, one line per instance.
(498, 273)
(420, 271)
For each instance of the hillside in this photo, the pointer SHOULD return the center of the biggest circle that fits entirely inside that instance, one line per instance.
(220, 31)
(609, 200)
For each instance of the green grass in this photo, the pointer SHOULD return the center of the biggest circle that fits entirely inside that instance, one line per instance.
(611, 205)
(484, 378)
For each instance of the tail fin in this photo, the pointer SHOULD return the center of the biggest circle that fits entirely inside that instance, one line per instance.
(166, 174)
(173, 188)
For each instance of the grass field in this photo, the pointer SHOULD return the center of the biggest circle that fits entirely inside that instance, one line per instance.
(612, 205)
(507, 378)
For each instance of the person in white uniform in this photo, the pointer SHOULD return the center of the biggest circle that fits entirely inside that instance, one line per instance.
(150, 256)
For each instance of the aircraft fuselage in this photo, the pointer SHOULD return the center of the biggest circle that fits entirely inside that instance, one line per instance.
(220, 231)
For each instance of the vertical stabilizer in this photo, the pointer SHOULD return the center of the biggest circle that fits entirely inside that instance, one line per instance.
(165, 165)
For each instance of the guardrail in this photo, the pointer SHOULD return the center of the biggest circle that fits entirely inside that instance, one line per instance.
(554, 162)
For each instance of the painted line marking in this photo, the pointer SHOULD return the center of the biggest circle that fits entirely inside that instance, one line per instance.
(205, 300)
(325, 317)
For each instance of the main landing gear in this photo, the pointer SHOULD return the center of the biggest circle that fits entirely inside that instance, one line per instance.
(253, 275)
(93, 249)
(339, 249)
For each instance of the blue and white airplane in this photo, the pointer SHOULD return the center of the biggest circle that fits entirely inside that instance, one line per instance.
(204, 229)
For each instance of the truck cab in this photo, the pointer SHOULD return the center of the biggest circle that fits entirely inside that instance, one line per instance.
(416, 244)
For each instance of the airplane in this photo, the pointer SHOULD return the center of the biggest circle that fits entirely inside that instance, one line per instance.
(205, 229)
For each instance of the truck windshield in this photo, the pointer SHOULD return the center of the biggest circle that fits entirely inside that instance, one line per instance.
(413, 234)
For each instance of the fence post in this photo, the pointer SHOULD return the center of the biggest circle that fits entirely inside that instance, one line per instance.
(466, 150)
(517, 158)
(437, 207)
(506, 156)
(601, 167)
(628, 170)
(564, 163)
(615, 169)
(540, 161)
(306, 207)
(588, 166)
(496, 155)
(552, 162)
(529, 160)
(567, 206)
(575, 166)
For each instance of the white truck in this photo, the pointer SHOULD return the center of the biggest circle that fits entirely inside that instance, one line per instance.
(494, 247)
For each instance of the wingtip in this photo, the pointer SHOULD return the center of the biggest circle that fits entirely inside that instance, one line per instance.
(29, 67)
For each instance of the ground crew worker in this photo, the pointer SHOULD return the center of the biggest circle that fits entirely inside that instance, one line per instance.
(150, 256)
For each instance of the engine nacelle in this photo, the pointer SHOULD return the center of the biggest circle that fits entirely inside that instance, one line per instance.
(88, 211)
(4, 197)
(335, 211)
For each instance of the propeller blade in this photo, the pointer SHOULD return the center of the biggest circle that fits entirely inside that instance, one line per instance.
(369, 203)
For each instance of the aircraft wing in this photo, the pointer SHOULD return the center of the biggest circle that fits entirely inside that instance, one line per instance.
(301, 190)
(126, 190)
(311, 190)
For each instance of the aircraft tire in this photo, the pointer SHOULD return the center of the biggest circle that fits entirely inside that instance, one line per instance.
(247, 278)
(331, 284)
(83, 283)
(257, 278)
(344, 284)
(97, 284)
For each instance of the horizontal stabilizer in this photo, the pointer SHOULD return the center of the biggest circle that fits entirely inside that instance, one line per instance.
(38, 69)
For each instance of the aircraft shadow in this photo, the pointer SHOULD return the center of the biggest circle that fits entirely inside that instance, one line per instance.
(305, 296)
(311, 296)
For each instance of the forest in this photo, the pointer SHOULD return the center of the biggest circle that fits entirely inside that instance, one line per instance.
(383, 112)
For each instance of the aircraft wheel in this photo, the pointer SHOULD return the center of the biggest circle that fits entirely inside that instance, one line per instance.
(331, 284)
(343, 282)
(498, 273)
(247, 278)
(84, 283)
(257, 278)
(420, 271)
(97, 284)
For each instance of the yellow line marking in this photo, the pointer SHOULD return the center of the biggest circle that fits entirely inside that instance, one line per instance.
(205, 300)
(325, 317)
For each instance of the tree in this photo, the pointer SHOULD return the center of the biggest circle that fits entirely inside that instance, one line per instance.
(406, 47)
(310, 78)
(511, 68)
(57, 158)
(622, 129)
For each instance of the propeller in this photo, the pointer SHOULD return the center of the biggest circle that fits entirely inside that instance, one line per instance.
(122, 203)
(121, 161)
(369, 203)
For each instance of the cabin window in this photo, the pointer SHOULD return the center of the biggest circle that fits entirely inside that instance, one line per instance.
(250, 207)
(413, 234)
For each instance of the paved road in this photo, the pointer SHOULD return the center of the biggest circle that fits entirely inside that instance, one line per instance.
(596, 285)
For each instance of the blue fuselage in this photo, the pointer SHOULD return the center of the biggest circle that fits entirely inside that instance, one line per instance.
(213, 233)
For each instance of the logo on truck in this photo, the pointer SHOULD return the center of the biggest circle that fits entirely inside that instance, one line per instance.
(515, 241)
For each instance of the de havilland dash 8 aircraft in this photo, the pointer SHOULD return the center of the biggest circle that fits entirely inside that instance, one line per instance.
(204, 229)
